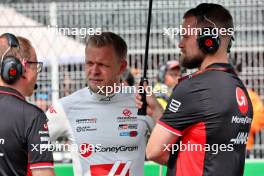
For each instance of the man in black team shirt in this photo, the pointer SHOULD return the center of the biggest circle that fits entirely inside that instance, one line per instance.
(205, 126)
(23, 127)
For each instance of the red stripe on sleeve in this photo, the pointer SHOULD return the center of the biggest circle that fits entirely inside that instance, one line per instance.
(169, 128)
(41, 165)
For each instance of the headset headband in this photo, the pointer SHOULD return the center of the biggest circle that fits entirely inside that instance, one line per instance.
(12, 40)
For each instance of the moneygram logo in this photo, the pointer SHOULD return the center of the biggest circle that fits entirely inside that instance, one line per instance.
(117, 149)
(86, 150)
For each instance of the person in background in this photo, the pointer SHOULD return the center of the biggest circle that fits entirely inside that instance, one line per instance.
(127, 78)
(42, 100)
(258, 118)
(258, 114)
(168, 76)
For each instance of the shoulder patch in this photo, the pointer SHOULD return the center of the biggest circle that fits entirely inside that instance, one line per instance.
(174, 105)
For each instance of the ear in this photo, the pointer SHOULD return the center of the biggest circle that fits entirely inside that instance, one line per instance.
(224, 46)
(23, 62)
(24, 65)
(123, 65)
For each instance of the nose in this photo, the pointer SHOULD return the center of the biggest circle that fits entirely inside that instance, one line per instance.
(180, 45)
(94, 69)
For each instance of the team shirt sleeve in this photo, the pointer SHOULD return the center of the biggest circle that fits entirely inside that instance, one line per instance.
(37, 141)
(185, 108)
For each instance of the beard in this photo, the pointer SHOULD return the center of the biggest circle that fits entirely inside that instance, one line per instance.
(191, 62)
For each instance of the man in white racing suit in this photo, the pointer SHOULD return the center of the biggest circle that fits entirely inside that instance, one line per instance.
(109, 136)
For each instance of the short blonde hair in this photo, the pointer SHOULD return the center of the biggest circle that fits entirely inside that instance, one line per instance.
(109, 39)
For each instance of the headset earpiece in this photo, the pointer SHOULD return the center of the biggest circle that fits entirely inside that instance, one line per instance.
(11, 67)
(208, 41)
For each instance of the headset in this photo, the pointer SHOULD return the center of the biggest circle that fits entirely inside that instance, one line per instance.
(208, 41)
(11, 68)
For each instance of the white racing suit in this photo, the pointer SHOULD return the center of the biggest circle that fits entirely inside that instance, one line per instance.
(108, 136)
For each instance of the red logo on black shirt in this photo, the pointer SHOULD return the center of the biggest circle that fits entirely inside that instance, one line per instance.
(241, 101)
(127, 112)
(45, 126)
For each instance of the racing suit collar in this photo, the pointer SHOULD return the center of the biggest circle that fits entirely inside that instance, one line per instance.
(100, 97)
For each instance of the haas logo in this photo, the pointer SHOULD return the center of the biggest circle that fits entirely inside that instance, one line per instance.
(127, 112)
(241, 101)
(45, 126)
(115, 169)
